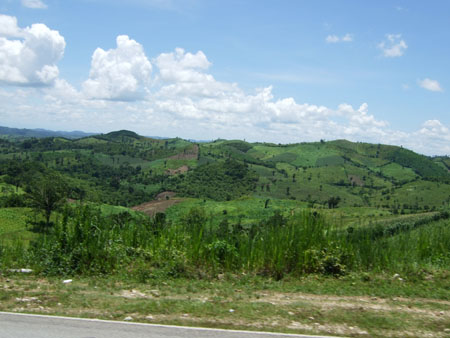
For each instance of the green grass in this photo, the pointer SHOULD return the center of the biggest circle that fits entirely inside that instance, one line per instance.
(395, 170)
(246, 210)
(13, 225)
(7, 189)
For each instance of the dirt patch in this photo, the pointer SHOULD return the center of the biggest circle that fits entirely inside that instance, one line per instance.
(187, 154)
(153, 207)
(326, 302)
(165, 195)
(180, 170)
(356, 180)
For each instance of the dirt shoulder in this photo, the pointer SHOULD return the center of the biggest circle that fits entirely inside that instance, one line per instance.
(228, 303)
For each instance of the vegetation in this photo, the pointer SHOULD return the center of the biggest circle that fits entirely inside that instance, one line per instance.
(84, 241)
(336, 212)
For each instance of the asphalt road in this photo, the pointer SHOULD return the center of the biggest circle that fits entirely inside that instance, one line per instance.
(14, 325)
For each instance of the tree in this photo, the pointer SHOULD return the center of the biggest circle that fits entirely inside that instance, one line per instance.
(46, 194)
(333, 202)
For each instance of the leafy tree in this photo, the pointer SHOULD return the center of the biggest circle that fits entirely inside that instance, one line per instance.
(47, 193)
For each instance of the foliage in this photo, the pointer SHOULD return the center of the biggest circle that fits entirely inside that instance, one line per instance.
(84, 241)
(46, 193)
(123, 168)
(219, 181)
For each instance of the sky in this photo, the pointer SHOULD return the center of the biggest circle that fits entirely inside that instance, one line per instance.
(257, 70)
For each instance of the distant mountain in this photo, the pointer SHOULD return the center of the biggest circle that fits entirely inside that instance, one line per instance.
(16, 133)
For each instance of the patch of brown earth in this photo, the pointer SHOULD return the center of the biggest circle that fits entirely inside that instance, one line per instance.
(180, 170)
(153, 207)
(326, 302)
(356, 180)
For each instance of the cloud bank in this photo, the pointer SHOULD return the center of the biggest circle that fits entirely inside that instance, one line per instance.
(174, 94)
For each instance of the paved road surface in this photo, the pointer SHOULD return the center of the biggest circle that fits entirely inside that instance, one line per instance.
(14, 325)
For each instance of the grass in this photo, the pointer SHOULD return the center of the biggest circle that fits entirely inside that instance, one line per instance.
(7, 189)
(313, 305)
(295, 274)
(246, 210)
(87, 241)
(13, 225)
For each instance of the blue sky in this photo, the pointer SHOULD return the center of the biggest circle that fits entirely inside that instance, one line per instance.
(278, 71)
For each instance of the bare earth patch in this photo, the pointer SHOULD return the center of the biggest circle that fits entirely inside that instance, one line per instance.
(181, 170)
(153, 207)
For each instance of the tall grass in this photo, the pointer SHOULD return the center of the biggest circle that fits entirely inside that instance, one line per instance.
(85, 242)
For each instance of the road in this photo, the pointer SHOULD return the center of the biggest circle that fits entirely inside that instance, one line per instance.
(14, 325)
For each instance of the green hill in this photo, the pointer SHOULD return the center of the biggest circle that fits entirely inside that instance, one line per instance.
(124, 168)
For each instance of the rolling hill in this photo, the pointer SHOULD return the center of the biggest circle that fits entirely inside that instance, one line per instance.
(124, 168)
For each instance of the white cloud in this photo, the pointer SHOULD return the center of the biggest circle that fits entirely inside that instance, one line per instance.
(187, 101)
(28, 56)
(119, 74)
(35, 4)
(182, 67)
(393, 46)
(431, 85)
(332, 39)
(9, 27)
(335, 39)
(182, 73)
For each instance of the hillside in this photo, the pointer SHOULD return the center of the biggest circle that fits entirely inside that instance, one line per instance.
(124, 168)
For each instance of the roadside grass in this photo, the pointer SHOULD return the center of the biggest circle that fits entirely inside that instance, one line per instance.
(285, 271)
(295, 305)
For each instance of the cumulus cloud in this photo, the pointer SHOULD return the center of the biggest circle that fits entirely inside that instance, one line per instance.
(393, 46)
(335, 39)
(431, 85)
(182, 73)
(28, 56)
(188, 93)
(35, 4)
(120, 74)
